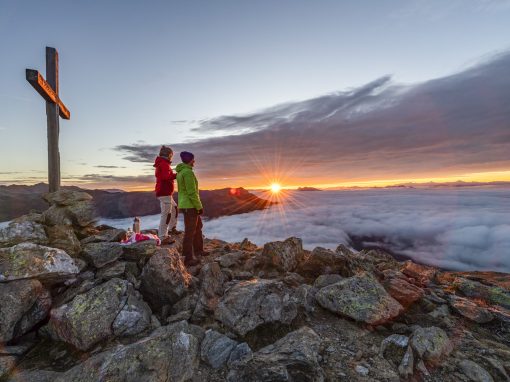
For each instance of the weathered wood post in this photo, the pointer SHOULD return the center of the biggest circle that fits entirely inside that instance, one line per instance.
(48, 89)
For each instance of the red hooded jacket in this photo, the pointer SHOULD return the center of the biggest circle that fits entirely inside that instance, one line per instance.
(164, 177)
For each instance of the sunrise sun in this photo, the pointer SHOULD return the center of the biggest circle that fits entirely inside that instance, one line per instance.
(275, 188)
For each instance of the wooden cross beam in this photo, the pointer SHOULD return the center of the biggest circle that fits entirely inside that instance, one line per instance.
(48, 89)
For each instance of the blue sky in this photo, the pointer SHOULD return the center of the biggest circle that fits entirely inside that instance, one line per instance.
(134, 71)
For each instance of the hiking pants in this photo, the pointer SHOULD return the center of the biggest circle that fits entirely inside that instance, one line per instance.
(193, 241)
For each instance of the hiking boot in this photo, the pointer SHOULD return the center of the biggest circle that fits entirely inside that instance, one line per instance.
(167, 240)
(174, 231)
(191, 263)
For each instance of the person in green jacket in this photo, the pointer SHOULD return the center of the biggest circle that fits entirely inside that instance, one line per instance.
(190, 205)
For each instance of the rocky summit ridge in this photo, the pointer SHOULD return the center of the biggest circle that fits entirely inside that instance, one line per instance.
(76, 305)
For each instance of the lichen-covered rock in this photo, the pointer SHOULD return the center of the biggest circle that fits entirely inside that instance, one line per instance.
(216, 348)
(470, 310)
(89, 317)
(23, 304)
(22, 231)
(403, 291)
(361, 298)
(323, 261)
(168, 354)
(165, 279)
(283, 255)
(295, 357)
(211, 289)
(101, 254)
(494, 295)
(34, 376)
(63, 237)
(27, 260)
(249, 304)
(431, 344)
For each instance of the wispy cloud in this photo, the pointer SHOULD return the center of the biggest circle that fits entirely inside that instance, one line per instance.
(450, 125)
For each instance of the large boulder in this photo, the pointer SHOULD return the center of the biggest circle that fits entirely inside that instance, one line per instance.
(65, 197)
(139, 251)
(283, 255)
(431, 344)
(165, 279)
(168, 354)
(63, 237)
(107, 235)
(23, 304)
(211, 289)
(101, 254)
(361, 298)
(70, 208)
(323, 261)
(249, 304)
(295, 357)
(27, 260)
(98, 314)
(22, 231)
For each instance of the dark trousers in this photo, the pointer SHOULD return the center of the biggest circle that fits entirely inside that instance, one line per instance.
(193, 240)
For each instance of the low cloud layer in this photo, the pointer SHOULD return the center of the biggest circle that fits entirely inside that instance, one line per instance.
(461, 229)
(456, 124)
(455, 229)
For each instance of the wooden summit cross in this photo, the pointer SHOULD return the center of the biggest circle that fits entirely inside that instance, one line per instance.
(48, 89)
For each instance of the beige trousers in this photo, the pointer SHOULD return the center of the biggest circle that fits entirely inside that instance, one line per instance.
(168, 206)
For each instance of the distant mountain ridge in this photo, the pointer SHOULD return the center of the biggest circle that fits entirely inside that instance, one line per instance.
(16, 200)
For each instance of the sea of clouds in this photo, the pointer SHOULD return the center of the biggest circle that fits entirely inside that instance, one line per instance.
(459, 229)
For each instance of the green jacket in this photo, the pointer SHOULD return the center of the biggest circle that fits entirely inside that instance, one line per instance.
(188, 187)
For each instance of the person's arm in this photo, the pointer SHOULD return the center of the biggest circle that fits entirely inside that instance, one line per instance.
(192, 191)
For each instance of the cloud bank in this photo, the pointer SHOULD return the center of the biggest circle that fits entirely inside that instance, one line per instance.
(460, 229)
(450, 125)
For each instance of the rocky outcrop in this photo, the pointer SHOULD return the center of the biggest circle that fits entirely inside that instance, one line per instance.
(250, 304)
(165, 279)
(169, 354)
(295, 357)
(98, 314)
(27, 260)
(323, 261)
(361, 298)
(124, 313)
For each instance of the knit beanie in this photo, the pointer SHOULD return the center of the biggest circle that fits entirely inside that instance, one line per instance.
(187, 157)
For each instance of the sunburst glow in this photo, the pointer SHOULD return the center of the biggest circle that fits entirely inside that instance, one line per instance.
(275, 188)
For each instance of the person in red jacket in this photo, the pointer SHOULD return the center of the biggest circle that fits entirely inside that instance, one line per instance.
(164, 191)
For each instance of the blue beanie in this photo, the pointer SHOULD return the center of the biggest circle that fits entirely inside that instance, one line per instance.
(187, 157)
